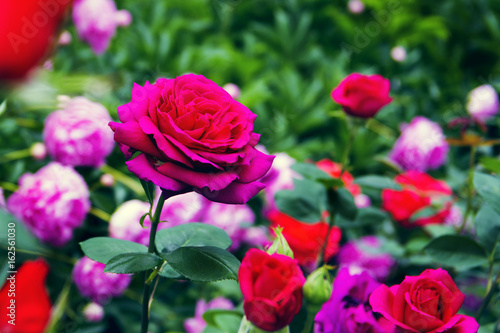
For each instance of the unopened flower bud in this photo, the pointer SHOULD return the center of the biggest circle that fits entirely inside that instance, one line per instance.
(280, 245)
(107, 180)
(93, 312)
(38, 151)
(318, 287)
(232, 90)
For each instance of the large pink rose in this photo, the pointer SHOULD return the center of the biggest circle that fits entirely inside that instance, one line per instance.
(192, 136)
(427, 303)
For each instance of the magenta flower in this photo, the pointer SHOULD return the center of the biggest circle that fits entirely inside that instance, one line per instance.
(483, 103)
(421, 146)
(348, 310)
(96, 22)
(197, 324)
(93, 283)
(192, 136)
(233, 219)
(77, 135)
(3, 204)
(52, 202)
(364, 255)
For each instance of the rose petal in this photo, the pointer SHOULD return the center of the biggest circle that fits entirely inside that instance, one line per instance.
(130, 134)
(236, 193)
(259, 166)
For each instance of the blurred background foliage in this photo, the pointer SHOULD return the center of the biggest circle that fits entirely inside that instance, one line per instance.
(286, 56)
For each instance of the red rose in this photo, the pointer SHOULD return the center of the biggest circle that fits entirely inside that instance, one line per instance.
(306, 239)
(427, 303)
(419, 191)
(27, 31)
(32, 302)
(362, 95)
(335, 170)
(192, 136)
(272, 289)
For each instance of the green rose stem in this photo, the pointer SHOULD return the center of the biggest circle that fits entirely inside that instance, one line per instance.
(15, 155)
(147, 283)
(490, 291)
(470, 187)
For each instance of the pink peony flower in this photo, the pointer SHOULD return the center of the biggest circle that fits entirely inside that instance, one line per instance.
(78, 134)
(483, 103)
(231, 218)
(364, 255)
(51, 202)
(421, 146)
(192, 136)
(197, 324)
(257, 237)
(93, 283)
(96, 22)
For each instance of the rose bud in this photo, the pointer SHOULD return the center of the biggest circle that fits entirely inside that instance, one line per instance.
(280, 245)
(362, 95)
(191, 135)
(77, 135)
(96, 22)
(32, 305)
(27, 33)
(425, 303)
(93, 283)
(93, 312)
(318, 286)
(272, 289)
(421, 146)
(483, 103)
(52, 202)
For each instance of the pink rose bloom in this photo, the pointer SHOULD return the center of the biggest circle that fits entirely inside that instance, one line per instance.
(125, 221)
(52, 202)
(96, 22)
(192, 136)
(483, 103)
(421, 146)
(92, 282)
(364, 255)
(77, 135)
(231, 218)
(362, 95)
(197, 324)
(427, 303)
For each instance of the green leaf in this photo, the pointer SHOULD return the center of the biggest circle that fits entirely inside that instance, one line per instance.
(149, 189)
(205, 264)
(3, 107)
(213, 317)
(366, 216)
(312, 172)
(306, 202)
(102, 249)
(343, 203)
(132, 263)
(143, 217)
(377, 182)
(168, 272)
(491, 164)
(488, 228)
(488, 187)
(191, 234)
(460, 252)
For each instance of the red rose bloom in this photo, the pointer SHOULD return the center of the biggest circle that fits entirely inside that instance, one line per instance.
(32, 302)
(27, 32)
(192, 136)
(306, 239)
(362, 95)
(272, 289)
(427, 303)
(419, 191)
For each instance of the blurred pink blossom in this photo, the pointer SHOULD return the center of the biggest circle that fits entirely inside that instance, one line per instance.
(398, 53)
(52, 202)
(38, 151)
(93, 312)
(483, 103)
(232, 90)
(78, 134)
(96, 22)
(197, 324)
(356, 6)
